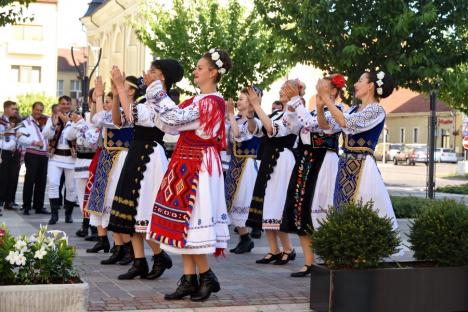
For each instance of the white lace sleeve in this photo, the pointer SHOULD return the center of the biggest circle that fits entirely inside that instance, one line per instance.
(364, 120)
(244, 133)
(167, 111)
(143, 115)
(284, 126)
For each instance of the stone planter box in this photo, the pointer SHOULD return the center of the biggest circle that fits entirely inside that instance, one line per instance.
(408, 289)
(44, 298)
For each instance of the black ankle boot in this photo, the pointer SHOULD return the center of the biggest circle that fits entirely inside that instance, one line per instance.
(102, 244)
(128, 254)
(139, 268)
(83, 232)
(187, 285)
(256, 233)
(94, 236)
(245, 244)
(162, 261)
(54, 207)
(117, 254)
(208, 284)
(68, 206)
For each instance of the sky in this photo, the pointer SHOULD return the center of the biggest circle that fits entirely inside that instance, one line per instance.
(70, 29)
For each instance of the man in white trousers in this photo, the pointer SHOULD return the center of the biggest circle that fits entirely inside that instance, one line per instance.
(61, 160)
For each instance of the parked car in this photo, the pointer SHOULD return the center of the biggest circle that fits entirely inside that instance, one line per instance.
(445, 155)
(406, 154)
(391, 150)
(421, 153)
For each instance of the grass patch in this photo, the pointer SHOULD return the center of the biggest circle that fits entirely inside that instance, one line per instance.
(461, 189)
(408, 206)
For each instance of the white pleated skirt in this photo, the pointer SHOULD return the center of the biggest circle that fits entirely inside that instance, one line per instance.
(243, 196)
(276, 191)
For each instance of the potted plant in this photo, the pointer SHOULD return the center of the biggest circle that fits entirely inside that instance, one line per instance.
(37, 273)
(354, 242)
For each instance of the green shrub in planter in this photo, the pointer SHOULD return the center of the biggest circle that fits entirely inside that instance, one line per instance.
(355, 237)
(440, 234)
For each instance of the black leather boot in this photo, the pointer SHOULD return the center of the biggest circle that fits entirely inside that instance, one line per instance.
(187, 285)
(117, 254)
(83, 232)
(94, 236)
(245, 244)
(128, 254)
(68, 206)
(162, 261)
(102, 244)
(139, 268)
(208, 284)
(256, 233)
(54, 206)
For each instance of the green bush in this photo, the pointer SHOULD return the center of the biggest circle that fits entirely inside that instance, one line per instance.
(354, 237)
(440, 234)
(408, 206)
(454, 189)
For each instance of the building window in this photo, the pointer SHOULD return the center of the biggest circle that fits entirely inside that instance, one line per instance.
(27, 32)
(59, 88)
(402, 135)
(75, 89)
(26, 74)
(415, 135)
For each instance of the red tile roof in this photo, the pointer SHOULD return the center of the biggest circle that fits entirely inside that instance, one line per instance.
(65, 61)
(407, 101)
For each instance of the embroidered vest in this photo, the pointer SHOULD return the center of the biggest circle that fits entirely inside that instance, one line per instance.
(117, 139)
(364, 142)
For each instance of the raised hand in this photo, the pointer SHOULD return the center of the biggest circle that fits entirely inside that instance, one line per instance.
(230, 106)
(290, 90)
(75, 117)
(323, 88)
(253, 97)
(98, 88)
(117, 77)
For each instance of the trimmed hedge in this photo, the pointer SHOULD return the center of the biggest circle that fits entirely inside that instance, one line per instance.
(408, 206)
(461, 189)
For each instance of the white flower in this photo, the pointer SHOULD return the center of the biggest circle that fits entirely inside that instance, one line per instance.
(57, 234)
(379, 83)
(222, 71)
(21, 260)
(215, 56)
(33, 238)
(21, 246)
(379, 91)
(219, 63)
(212, 51)
(380, 75)
(40, 253)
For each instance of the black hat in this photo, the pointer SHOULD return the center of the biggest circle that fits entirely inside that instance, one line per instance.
(172, 70)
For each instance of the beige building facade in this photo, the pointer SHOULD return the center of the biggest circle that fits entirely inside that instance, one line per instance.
(28, 53)
(108, 26)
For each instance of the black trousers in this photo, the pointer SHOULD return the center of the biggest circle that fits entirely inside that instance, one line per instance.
(35, 181)
(9, 172)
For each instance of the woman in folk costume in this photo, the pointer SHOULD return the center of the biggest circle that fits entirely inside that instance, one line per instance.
(310, 190)
(110, 163)
(358, 177)
(277, 163)
(243, 168)
(86, 136)
(143, 170)
(190, 216)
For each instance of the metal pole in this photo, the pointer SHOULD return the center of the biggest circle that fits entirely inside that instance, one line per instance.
(384, 153)
(432, 129)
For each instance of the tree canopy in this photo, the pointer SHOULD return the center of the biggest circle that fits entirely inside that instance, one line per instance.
(419, 42)
(189, 29)
(11, 11)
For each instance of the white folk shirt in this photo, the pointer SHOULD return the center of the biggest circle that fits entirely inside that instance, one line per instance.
(7, 138)
(66, 162)
(33, 133)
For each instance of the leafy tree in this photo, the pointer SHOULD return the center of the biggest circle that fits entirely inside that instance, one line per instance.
(414, 40)
(12, 11)
(191, 28)
(454, 89)
(25, 102)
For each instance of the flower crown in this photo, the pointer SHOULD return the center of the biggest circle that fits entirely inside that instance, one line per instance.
(379, 82)
(216, 58)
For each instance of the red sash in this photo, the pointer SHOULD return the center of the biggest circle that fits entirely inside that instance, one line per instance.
(176, 197)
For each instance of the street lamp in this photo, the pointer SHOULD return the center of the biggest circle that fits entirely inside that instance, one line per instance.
(83, 75)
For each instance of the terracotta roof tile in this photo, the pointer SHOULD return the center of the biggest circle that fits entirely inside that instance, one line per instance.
(65, 61)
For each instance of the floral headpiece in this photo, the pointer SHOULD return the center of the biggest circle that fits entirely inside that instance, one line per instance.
(216, 58)
(379, 82)
(338, 81)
